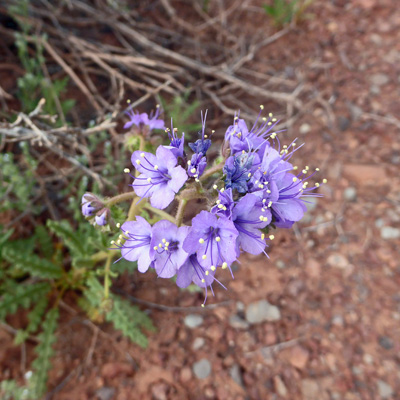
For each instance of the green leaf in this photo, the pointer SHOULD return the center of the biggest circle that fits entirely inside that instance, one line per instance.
(33, 264)
(44, 351)
(129, 319)
(44, 241)
(65, 232)
(22, 296)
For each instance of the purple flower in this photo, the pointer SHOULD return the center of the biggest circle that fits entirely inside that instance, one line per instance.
(102, 217)
(166, 248)
(144, 120)
(224, 205)
(213, 239)
(248, 221)
(137, 245)
(160, 178)
(240, 138)
(237, 170)
(90, 204)
(197, 165)
(201, 146)
(177, 144)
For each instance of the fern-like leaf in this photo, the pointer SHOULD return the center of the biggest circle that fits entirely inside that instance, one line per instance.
(44, 350)
(65, 232)
(34, 265)
(129, 319)
(22, 296)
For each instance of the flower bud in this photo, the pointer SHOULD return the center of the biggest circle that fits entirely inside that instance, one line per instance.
(90, 204)
(102, 217)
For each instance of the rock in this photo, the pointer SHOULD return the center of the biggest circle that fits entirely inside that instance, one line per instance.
(379, 222)
(185, 374)
(159, 391)
(384, 389)
(193, 320)
(298, 357)
(379, 79)
(238, 323)
(355, 111)
(198, 343)
(310, 389)
(368, 359)
(280, 387)
(280, 264)
(236, 374)
(365, 174)
(337, 260)
(388, 233)
(343, 123)
(337, 320)
(350, 193)
(105, 393)
(202, 368)
(239, 306)
(261, 311)
(305, 128)
(385, 342)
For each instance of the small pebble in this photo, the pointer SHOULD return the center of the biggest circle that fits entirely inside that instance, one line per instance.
(384, 389)
(236, 374)
(105, 393)
(385, 342)
(193, 320)
(238, 323)
(388, 233)
(198, 343)
(305, 128)
(350, 194)
(261, 311)
(202, 368)
(379, 79)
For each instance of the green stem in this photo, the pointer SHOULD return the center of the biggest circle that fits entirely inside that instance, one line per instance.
(212, 171)
(135, 207)
(181, 211)
(119, 198)
(159, 212)
(107, 282)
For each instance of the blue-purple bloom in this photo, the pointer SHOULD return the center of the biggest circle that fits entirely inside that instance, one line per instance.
(237, 171)
(197, 165)
(166, 248)
(213, 239)
(160, 177)
(144, 120)
(200, 146)
(102, 217)
(176, 143)
(90, 204)
(137, 244)
(225, 204)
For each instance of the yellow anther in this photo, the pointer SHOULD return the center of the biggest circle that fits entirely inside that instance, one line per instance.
(197, 180)
(175, 129)
(167, 244)
(224, 265)
(119, 225)
(160, 245)
(285, 146)
(272, 237)
(212, 131)
(164, 240)
(294, 179)
(156, 167)
(189, 162)
(203, 280)
(206, 136)
(207, 272)
(204, 256)
(128, 101)
(273, 119)
(193, 170)
(149, 180)
(218, 201)
(243, 152)
(295, 167)
(268, 191)
(304, 171)
(256, 182)
(262, 107)
(218, 239)
(264, 200)
(317, 184)
(203, 305)
(261, 186)
(212, 268)
(224, 208)
(270, 204)
(222, 190)
(273, 135)
(220, 206)
(324, 180)
(317, 169)
(249, 175)
(307, 168)
(142, 155)
(112, 242)
(138, 162)
(264, 119)
(127, 170)
(270, 123)
(262, 236)
(215, 187)
(155, 247)
(270, 115)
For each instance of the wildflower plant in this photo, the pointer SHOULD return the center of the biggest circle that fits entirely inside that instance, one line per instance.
(239, 197)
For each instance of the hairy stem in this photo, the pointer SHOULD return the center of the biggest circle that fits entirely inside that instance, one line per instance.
(212, 171)
(107, 282)
(159, 212)
(120, 198)
(181, 211)
(136, 205)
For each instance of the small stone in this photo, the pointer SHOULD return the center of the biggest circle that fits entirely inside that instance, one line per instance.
(311, 203)
(261, 311)
(379, 79)
(337, 320)
(384, 389)
(280, 264)
(236, 374)
(280, 387)
(337, 260)
(186, 374)
(198, 343)
(105, 393)
(298, 357)
(238, 323)
(159, 391)
(385, 342)
(202, 368)
(193, 320)
(240, 306)
(388, 233)
(379, 222)
(368, 359)
(343, 123)
(305, 128)
(350, 193)
(310, 389)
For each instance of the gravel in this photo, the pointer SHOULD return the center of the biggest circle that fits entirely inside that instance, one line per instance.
(350, 194)
(193, 320)
(384, 389)
(238, 323)
(388, 233)
(261, 311)
(202, 368)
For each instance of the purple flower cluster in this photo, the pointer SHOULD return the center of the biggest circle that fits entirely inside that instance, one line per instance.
(93, 208)
(261, 190)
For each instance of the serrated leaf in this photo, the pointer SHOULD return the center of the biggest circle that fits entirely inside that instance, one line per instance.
(129, 319)
(44, 241)
(33, 264)
(22, 296)
(44, 351)
(65, 232)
